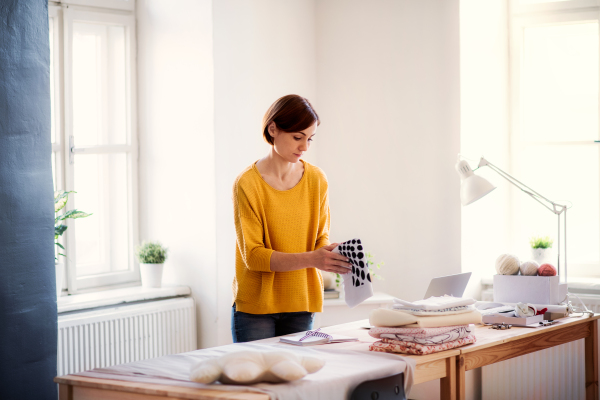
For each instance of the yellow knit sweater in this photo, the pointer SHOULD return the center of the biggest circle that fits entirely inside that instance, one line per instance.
(288, 221)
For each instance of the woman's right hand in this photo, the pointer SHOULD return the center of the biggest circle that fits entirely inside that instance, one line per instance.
(326, 260)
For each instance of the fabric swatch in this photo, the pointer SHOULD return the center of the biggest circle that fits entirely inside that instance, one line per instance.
(454, 334)
(357, 285)
(436, 303)
(396, 346)
(415, 332)
(445, 311)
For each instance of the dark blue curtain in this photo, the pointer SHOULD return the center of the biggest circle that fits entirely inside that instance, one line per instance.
(27, 284)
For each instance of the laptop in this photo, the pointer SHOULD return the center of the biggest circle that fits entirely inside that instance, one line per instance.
(451, 285)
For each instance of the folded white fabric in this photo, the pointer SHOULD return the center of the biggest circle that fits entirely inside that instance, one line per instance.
(455, 334)
(387, 317)
(445, 311)
(436, 303)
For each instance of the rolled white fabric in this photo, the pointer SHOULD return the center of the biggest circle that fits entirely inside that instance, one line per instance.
(525, 310)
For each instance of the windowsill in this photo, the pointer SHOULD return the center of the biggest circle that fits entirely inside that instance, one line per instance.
(577, 285)
(87, 301)
(377, 298)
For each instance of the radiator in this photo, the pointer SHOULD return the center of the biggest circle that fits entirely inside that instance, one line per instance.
(123, 334)
(556, 373)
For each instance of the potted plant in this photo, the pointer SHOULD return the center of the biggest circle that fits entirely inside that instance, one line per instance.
(60, 201)
(541, 247)
(151, 256)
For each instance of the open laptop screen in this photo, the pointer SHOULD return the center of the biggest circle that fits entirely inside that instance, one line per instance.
(451, 285)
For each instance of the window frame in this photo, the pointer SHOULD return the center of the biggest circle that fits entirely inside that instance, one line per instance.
(521, 17)
(65, 148)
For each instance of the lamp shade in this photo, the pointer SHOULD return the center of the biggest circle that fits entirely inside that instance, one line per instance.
(472, 187)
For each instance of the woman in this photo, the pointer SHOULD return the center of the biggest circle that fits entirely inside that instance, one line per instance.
(281, 212)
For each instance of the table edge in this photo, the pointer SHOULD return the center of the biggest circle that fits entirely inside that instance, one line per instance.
(533, 332)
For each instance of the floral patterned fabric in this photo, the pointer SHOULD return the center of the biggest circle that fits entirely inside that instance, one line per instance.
(458, 333)
(396, 346)
(415, 332)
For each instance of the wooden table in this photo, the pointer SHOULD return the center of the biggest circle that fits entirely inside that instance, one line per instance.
(493, 346)
(449, 366)
(71, 387)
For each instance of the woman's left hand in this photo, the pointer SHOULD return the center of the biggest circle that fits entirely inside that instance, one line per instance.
(326, 260)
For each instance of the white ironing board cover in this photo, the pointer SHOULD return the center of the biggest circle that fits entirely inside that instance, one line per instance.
(347, 365)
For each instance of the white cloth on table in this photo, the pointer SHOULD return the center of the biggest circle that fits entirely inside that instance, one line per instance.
(435, 303)
(347, 365)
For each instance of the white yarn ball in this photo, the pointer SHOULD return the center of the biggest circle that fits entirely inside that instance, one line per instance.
(507, 264)
(529, 268)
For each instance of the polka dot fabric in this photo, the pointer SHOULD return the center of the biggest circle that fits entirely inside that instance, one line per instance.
(289, 221)
(357, 285)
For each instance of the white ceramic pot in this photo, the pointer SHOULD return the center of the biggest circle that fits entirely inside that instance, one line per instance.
(59, 269)
(151, 275)
(328, 280)
(542, 256)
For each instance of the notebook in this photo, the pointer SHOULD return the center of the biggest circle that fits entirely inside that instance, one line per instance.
(308, 339)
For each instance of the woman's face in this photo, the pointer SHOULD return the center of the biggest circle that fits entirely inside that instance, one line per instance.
(292, 145)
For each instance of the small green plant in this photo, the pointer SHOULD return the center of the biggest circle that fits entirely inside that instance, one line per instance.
(371, 265)
(539, 242)
(60, 201)
(151, 253)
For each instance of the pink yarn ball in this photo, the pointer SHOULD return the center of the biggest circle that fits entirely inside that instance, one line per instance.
(547, 270)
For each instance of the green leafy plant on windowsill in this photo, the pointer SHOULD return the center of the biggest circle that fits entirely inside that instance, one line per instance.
(60, 201)
(370, 264)
(541, 242)
(151, 253)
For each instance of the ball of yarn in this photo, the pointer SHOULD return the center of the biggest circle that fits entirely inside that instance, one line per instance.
(529, 268)
(507, 264)
(547, 270)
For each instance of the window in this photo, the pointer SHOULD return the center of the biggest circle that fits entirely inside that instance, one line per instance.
(554, 112)
(94, 138)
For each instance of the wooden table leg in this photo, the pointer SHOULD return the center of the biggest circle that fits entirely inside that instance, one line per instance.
(65, 392)
(448, 384)
(460, 377)
(591, 362)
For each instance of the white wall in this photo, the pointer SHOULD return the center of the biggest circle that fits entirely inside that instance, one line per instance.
(388, 95)
(484, 132)
(263, 50)
(177, 149)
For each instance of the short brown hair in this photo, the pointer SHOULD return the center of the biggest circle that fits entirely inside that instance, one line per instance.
(291, 113)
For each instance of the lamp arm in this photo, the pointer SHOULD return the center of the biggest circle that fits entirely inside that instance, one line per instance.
(556, 208)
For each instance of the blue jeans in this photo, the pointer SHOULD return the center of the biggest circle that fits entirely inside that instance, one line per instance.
(247, 327)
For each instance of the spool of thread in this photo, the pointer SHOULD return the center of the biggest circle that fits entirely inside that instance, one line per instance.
(529, 268)
(547, 270)
(507, 264)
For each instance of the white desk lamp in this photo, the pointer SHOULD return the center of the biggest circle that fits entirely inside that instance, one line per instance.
(474, 187)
